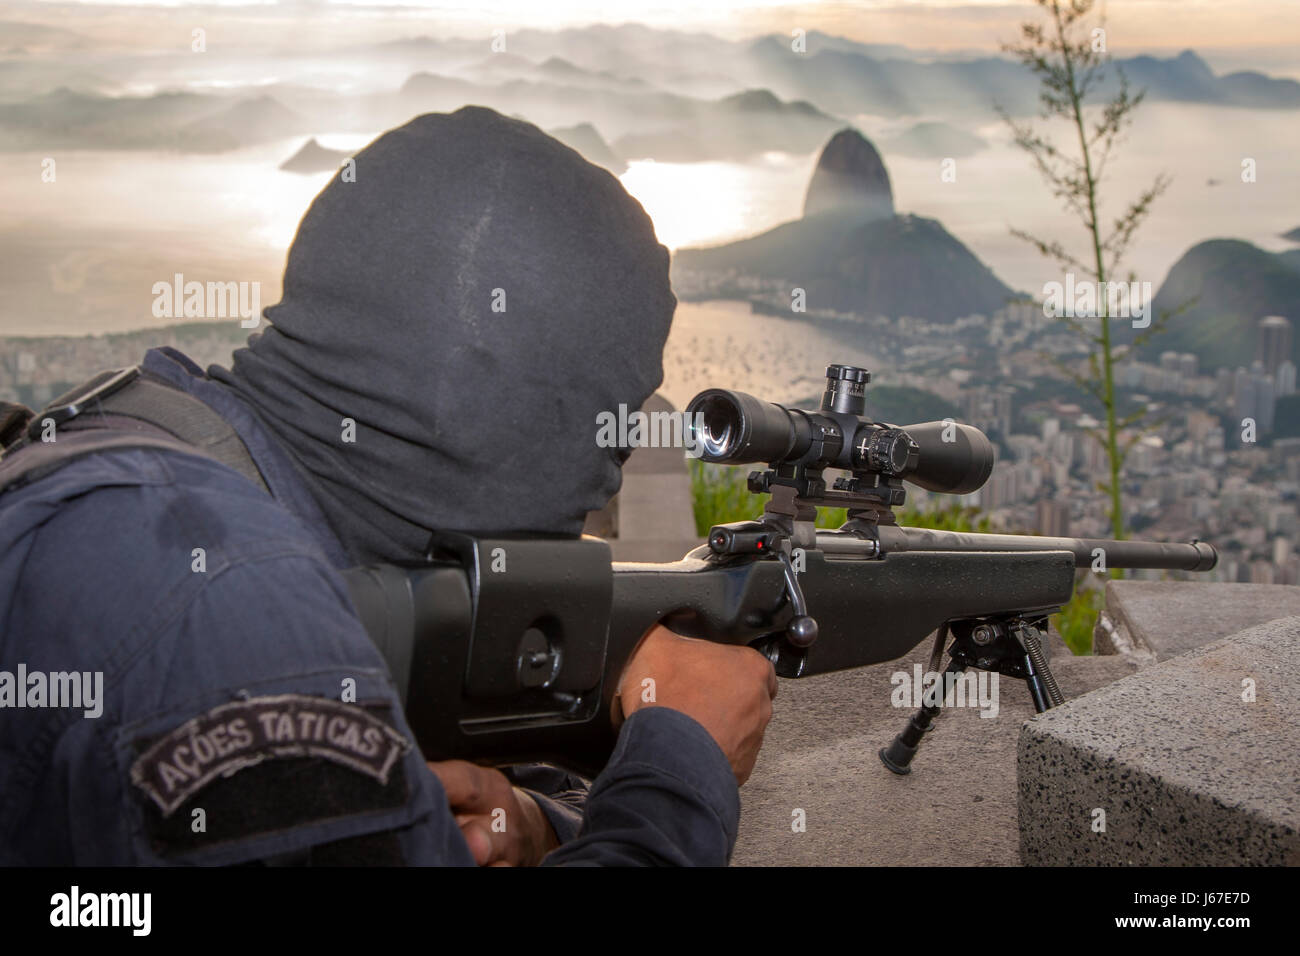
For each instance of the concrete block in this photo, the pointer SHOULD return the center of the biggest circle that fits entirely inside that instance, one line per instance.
(1187, 770)
(1157, 620)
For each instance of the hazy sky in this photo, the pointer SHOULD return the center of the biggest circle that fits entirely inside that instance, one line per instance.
(1136, 25)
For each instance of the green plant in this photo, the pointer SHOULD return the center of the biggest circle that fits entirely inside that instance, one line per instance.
(955, 517)
(1076, 620)
(719, 494)
(1069, 59)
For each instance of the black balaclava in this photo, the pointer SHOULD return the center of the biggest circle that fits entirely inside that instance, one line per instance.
(472, 301)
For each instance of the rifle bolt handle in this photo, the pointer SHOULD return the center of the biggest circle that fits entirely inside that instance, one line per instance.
(802, 631)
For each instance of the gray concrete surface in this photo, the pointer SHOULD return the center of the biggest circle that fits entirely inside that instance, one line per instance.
(1186, 770)
(957, 807)
(1158, 620)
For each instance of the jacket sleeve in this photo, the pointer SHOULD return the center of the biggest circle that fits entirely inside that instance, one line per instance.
(562, 796)
(667, 797)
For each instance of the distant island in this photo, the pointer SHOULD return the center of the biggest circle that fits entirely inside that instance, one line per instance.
(314, 158)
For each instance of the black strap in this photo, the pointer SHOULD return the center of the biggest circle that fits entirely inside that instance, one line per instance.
(39, 459)
(187, 418)
(121, 409)
(14, 417)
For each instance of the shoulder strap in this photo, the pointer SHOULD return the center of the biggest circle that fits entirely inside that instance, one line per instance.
(39, 459)
(192, 421)
(125, 409)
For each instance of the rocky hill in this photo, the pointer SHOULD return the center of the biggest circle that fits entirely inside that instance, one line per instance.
(851, 252)
(1233, 284)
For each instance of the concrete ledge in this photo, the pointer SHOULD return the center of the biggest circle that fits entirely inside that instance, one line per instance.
(957, 808)
(1185, 770)
(1157, 620)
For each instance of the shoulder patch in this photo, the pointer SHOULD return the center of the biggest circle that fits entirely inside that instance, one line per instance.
(231, 737)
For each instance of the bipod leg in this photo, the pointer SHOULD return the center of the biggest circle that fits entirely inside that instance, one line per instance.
(1039, 677)
(898, 755)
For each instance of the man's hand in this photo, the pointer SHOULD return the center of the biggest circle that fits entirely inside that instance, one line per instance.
(502, 824)
(727, 689)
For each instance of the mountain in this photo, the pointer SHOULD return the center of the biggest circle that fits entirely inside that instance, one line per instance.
(665, 126)
(501, 67)
(1293, 235)
(666, 94)
(1185, 77)
(734, 127)
(839, 75)
(24, 39)
(857, 256)
(850, 177)
(314, 158)
(846, 80)
(1235, 284)
(584, 139)
(69, 119)
(934, 141)
(252, 120)
(841, 81)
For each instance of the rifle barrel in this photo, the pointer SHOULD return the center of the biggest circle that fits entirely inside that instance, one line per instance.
(1196, 556)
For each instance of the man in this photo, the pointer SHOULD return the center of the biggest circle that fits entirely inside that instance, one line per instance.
(452, 323)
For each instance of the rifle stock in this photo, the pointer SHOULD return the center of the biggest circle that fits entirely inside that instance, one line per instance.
(510, 650)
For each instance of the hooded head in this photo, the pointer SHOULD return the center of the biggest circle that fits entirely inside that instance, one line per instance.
(470, 303)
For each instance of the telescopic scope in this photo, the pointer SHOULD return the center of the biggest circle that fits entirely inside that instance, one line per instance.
(735, 428)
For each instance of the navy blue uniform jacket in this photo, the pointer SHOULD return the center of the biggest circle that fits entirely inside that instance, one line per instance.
(244, 715)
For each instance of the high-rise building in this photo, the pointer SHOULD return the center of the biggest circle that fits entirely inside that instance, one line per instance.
(1273, 342)
(1265, 402)
(1285, 378)
(1053, 518)
(1223, 385)
(989, 409)
(1243, 394)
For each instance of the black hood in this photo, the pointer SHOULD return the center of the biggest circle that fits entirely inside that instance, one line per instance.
(472, 301)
